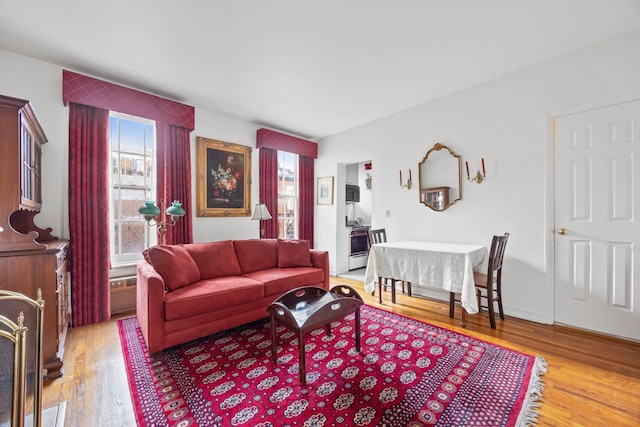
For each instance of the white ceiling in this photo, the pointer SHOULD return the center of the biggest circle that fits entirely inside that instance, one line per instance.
(311, 68)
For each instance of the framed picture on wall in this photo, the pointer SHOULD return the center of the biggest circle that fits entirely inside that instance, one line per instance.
(324, 191)
(223, 178)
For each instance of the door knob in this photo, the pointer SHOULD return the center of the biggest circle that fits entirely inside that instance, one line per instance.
(562, 231)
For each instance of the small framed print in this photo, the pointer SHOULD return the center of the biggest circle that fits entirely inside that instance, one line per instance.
(223, 178)
(324, 195)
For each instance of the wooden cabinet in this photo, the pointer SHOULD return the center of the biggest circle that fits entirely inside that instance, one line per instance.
(31, 258)
(437, 197)
(28, 271)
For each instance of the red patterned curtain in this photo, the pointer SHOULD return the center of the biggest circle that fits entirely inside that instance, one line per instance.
(89, 213)
(174, 178)
(88, 179)
(174, 122)
(269, 189)
(305, 198)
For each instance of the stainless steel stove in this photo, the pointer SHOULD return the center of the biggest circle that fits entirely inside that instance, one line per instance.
(358, 246)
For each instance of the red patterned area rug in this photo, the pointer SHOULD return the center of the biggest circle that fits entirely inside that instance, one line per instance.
(408, 373)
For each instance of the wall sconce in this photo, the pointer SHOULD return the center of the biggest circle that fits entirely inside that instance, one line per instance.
(151, 212)
(261, 213)
(479, 176)
(408, 184)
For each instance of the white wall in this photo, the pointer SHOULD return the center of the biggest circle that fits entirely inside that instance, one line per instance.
(503, 121)
(222, 127)
(41, 83)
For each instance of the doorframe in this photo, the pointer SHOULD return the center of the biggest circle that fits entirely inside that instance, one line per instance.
(550, 185)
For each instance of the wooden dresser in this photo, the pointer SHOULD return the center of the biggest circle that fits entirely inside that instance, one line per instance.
(31, 258)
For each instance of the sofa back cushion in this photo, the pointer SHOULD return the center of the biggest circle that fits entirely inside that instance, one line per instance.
(256, 254)
(294, 253)
(215, 259)
(175, 265)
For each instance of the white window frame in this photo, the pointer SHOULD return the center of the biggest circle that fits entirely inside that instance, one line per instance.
(124, 260)
(289, 198)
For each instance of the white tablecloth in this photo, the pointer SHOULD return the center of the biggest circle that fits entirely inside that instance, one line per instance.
(447, 266)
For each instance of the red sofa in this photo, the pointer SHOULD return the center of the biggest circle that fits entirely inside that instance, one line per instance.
(185, 292)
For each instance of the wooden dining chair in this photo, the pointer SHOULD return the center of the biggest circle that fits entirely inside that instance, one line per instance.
(489, 285)
(380, 236)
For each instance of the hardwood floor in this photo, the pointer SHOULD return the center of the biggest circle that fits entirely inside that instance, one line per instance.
(591, 380)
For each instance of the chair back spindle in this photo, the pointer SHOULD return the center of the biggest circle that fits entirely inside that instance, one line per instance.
(377, 236)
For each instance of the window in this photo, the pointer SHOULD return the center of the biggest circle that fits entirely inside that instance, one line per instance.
(287, 195)
(132, 179)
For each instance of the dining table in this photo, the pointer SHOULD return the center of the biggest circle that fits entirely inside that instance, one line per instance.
(446, 266)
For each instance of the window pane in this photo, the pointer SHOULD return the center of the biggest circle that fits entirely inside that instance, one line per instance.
(116, 203)
(289, 229)
(115, 170)
(280, 206)
(133, 169)
(131, 200)
(116, 238)
(133, 237)
(150, 139)
(287, 194)
(132, 137)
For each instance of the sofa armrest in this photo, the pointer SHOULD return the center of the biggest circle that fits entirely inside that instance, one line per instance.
(320, 259)
(150, 292)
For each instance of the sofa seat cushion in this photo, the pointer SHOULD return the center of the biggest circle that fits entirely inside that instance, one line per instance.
(277, 281)
(212, 294)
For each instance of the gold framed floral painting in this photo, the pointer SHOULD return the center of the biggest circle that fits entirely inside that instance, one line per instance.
(223, 178)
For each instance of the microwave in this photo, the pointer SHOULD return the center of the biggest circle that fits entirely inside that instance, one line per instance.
(353, 194)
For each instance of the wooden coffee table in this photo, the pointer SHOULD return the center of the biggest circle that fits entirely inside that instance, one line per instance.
(310, 307)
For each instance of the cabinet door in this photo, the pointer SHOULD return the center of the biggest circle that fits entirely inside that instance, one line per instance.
(26, 273)
(30, 171)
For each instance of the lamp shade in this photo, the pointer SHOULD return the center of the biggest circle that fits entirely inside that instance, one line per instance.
(149, 208)
(175, 209)
(261, 212)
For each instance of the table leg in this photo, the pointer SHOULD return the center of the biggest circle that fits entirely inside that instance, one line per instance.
(328, 329)
(463, 321)
(273, 339)
(379, 290)
(301, 359)
(393, 291)
(357, 320)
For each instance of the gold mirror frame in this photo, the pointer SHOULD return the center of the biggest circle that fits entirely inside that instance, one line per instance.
(434, 194)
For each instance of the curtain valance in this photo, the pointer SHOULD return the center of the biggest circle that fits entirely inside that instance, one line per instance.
(282, 142)
(109, 96)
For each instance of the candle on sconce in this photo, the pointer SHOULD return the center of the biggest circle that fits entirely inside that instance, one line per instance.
(401, 177)
(467, 163)
(483, 172)
(409, 174)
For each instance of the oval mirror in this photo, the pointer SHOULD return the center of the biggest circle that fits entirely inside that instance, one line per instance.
(440, 178)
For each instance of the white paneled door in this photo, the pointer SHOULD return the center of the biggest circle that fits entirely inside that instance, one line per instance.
(597, 235)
